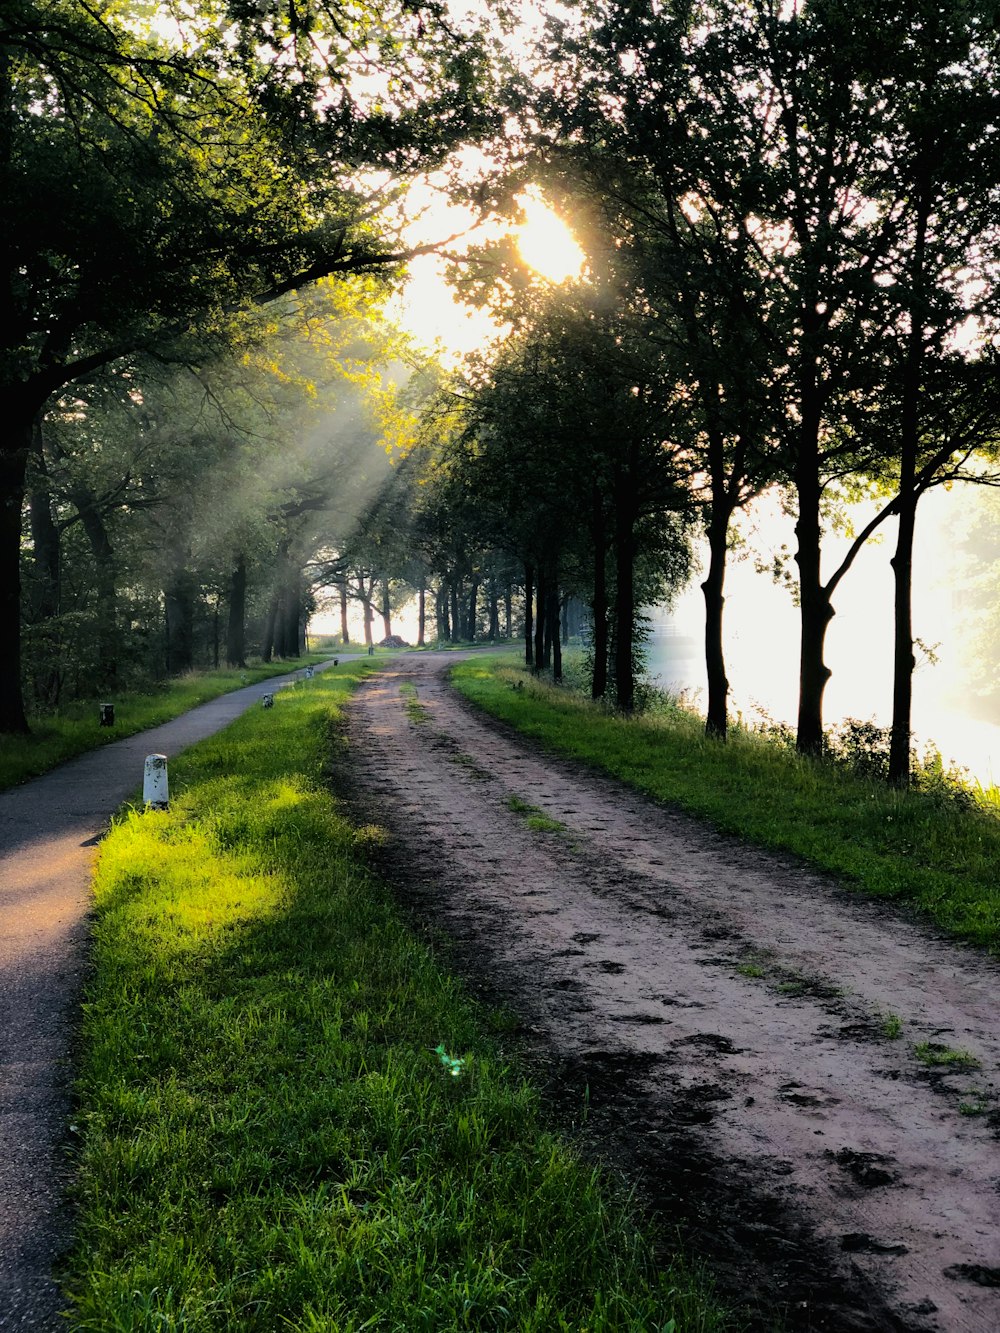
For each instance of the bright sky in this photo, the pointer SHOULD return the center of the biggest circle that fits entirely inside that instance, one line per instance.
(428, 306)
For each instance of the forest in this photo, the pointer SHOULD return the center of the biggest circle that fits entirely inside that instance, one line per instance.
(791, 219)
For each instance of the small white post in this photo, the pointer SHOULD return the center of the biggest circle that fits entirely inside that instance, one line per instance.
(154, 782)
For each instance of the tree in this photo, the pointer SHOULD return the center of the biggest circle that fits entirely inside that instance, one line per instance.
(155, 184)
(567, 459)
(209, 488)
(783, 145)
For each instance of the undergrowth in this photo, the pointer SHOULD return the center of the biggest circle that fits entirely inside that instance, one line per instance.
(288, 1117)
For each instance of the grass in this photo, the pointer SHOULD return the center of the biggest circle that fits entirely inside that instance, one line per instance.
(415, 710)
(891, 1026)
(915, 847)
(975, 1103)
(288, 1117)
(534, 818)
(74, 728)
(753, 970)
(936, 1056)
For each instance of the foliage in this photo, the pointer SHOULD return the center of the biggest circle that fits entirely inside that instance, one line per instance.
(816, 205)
(157, 481)
(563, 452)
(162, 174)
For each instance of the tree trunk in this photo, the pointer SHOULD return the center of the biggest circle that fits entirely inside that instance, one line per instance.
(508, 609)
(902, 562)
(421, 613)
(178, 599)
(44, 540)
(624, 614)
(267, 645)
(106, 587)
(529, 592)
(288, 631)
(13, 465)
(386, 610)
(553, 619)
(717, 719)
(626, 513)
(456, 624)
(345, 633)
(45, 585)
(815, 613)
(441, 616)
(540, 600)
(599, 680)
(236, 651)
(815, 609)
(473, 610)
(903, 660)
(494, 612)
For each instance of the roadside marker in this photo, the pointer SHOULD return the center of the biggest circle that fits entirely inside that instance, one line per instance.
(154, 783)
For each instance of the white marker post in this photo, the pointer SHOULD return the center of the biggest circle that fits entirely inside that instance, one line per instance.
(154, 782)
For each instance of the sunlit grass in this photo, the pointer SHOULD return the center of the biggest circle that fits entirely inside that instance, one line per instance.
(288, 1116)
(918, 847)
(75, 728)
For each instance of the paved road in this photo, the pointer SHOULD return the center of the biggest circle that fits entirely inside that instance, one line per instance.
(49, 830)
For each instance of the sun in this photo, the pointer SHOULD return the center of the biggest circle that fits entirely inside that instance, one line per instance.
(545, 242)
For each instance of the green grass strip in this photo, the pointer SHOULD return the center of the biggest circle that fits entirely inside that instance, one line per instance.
(289, 1117)
(918, 847)
(75, 727)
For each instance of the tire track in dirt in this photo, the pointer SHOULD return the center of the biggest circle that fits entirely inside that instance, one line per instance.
(722, 1011)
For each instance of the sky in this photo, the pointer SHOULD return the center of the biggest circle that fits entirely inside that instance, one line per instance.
(427, 306)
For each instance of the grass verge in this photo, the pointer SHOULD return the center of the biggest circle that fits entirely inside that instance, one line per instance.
(288, 1117)
(74, 729)
(917, 847)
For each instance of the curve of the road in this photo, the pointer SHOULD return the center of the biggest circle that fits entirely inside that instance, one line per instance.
(724, 1011)
(49, 831)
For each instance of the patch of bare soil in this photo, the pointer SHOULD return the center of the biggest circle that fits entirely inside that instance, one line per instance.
(717, 1016)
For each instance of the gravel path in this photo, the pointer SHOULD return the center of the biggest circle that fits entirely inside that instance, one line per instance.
(721, 1010)
(49, 830)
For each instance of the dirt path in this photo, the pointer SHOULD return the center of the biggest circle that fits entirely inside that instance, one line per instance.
(722, 1012)
(49, 831)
